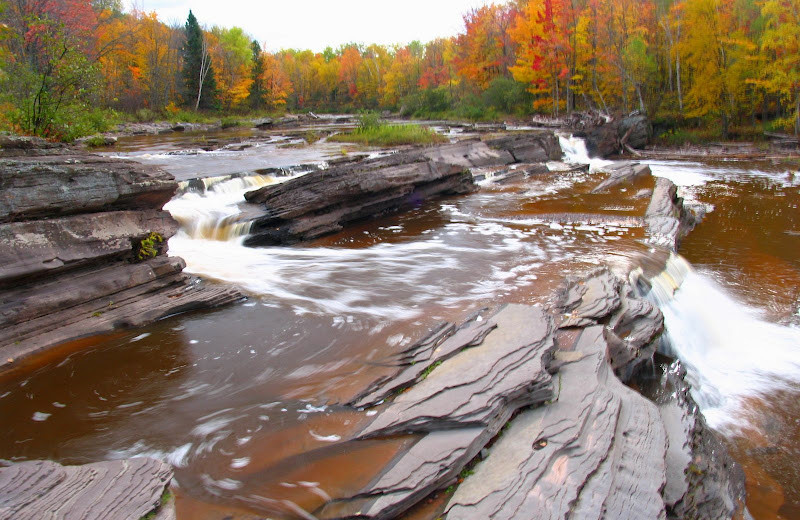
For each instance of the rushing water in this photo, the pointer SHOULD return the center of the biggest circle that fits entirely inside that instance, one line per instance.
(243, 401)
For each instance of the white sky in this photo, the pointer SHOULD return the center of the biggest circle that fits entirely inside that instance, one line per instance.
(315, 24)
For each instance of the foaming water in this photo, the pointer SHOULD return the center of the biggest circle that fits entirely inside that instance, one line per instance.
(213, 213)
(730, 352)
(575, 152)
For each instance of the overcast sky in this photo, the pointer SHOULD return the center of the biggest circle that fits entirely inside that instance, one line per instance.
(315, 24)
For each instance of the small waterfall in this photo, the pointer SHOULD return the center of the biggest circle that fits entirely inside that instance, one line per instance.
(575, 152)
(209, 208)
(730, 353)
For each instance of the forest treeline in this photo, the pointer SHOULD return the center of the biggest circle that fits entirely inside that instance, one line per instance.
(714, 64)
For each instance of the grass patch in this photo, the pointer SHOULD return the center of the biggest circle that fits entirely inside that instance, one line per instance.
(230, 122)
(390, 135)
(165, 499)
(425, 373)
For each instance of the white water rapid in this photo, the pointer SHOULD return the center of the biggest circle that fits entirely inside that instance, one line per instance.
(211, 213)
(575, 152)
(730, 352)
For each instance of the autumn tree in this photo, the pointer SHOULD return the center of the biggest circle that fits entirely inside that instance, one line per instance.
(716, 57)
(543, 50)
(231, 52)
(198, 73)
(51, 72)
(781, 44)
(486, 49)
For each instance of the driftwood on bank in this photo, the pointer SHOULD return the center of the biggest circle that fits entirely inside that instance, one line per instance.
(71, 228)
(324, 202)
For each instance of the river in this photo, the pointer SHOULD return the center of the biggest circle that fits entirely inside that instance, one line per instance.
(243, 401)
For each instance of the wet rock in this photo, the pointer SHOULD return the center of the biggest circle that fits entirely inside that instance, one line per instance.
(21, 145)
(100, 299)
(457, 408)
(71, 234)
(622, 172)
(597, 451)
(129, 488)
(324, 202)
(441, 344)
(667, 219)
(703, 481)
(70, 184)
(632, 324)
(606, 136)
(263, 123)
(40, 247)
(530, 147)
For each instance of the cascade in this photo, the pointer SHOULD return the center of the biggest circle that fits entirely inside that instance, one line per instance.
(575, 152)
(209, 208)
(729, 351)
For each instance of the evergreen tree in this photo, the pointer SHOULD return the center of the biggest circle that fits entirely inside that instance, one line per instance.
(198, 74)
(257, 88)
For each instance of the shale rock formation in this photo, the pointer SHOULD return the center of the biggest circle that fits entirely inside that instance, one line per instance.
(667, 219)
(578, 443)
(71, 231)
(323, 202)
(115, 489)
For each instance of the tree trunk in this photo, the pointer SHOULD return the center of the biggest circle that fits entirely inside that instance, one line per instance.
(725, 124)
(797, 113)
(678, 73)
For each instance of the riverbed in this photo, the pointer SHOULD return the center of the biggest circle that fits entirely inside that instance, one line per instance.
(244, 402)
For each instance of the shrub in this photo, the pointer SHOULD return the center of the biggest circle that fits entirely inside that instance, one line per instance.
(230, 122)
(390, 135)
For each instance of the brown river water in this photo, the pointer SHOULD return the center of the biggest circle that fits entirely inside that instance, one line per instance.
(244, 401)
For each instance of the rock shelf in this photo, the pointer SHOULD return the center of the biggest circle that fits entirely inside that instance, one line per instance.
(71, 228)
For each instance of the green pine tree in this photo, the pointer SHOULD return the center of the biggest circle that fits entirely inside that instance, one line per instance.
(198, 73)
(257, 88)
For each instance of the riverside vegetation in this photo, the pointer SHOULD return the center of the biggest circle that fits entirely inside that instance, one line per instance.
(700, 69)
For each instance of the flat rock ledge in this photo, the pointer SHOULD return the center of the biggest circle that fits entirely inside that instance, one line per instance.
(525, 410)
(71, 229)
(129, 489)
(323, 202)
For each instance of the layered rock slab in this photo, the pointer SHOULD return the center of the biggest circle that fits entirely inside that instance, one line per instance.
(667, 219)
(129, 489)
(457, 408)
(72, 261)
(323, 202)
(597, 451)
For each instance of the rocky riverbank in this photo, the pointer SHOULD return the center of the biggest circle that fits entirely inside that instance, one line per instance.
(521, 411)
(83, 249)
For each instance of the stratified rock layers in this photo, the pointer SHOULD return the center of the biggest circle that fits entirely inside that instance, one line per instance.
(71, 229)
(127, 489)
(323, 202)
(578, 442)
